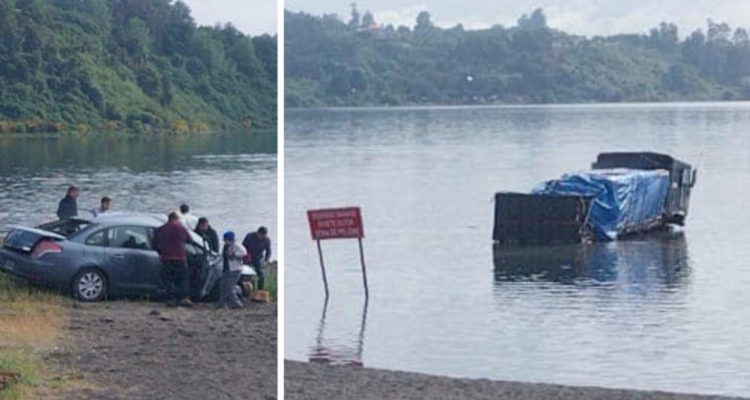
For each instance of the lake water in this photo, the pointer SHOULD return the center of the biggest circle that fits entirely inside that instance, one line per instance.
(229, 178)
(670, 312)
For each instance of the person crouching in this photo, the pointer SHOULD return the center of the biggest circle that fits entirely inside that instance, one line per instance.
(232, 253)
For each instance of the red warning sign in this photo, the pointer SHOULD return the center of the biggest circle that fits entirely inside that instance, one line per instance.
(336, 223)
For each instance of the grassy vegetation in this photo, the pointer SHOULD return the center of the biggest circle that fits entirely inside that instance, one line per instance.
(272, 280)
(31, 322)
(28, 365)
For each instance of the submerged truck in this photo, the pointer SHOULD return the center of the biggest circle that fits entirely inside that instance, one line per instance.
(624, 193)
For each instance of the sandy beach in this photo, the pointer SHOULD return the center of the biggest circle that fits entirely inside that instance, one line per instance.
(145, 350)
(305, 381)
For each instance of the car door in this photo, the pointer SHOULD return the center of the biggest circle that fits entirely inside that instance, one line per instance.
(130, 254)
(94, 250)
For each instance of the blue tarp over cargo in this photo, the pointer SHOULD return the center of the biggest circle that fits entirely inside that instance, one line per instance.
(624, 199)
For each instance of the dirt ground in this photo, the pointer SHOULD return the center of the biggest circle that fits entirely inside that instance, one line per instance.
(144, 350)
(304, 381)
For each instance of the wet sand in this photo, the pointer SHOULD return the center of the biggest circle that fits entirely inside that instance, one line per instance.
(144, 350)
(305, 381)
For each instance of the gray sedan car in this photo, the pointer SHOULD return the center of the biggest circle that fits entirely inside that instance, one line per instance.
(109, 255)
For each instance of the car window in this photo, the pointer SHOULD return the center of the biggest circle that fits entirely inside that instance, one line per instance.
(98, 238)
(129, 237)
(66, 227)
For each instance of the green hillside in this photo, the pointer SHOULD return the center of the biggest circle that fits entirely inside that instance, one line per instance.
(330, 62)
(129, 66)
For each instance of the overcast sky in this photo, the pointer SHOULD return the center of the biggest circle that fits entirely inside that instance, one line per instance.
(254, 17)
(587, 17)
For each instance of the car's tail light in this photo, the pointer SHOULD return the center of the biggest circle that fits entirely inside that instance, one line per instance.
(46, 247)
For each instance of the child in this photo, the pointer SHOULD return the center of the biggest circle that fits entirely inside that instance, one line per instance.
(232, 253)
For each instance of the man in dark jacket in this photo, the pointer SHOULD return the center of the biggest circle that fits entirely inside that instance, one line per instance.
(169, 241)
(68, 207)
(208, 234)
(258, 246)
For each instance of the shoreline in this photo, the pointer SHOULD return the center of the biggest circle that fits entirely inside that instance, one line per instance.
(132, 134)
(303, 381)
(518, 105)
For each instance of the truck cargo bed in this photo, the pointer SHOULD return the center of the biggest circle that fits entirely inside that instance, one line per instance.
(539, 219)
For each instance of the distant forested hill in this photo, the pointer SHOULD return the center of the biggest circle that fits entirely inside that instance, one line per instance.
(129, 65)
(330, 62)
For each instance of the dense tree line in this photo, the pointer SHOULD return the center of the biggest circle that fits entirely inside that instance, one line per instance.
(129, 65)
(331, 62)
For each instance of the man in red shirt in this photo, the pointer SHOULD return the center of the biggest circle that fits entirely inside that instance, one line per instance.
(169, 241)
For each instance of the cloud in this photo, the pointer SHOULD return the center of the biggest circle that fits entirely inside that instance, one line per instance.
(586, 17)
(406, 16)
(252, 17)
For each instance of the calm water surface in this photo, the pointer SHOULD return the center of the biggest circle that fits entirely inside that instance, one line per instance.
(229, 178)
(670, 312)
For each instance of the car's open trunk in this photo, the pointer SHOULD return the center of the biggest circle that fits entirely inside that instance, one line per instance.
(23, 240)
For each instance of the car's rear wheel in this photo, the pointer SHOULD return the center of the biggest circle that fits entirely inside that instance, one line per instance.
(90, 285)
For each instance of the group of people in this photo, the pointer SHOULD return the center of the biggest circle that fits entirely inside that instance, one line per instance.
(68, 206)
(170, 242)
(171, 238)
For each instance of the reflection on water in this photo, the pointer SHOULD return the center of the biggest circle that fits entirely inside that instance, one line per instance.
(338, 349)
(131, 153)
(654, 261)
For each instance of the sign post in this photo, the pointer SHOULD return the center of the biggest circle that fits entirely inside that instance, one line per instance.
(323, 269)
(338, 223)
(364, 269)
